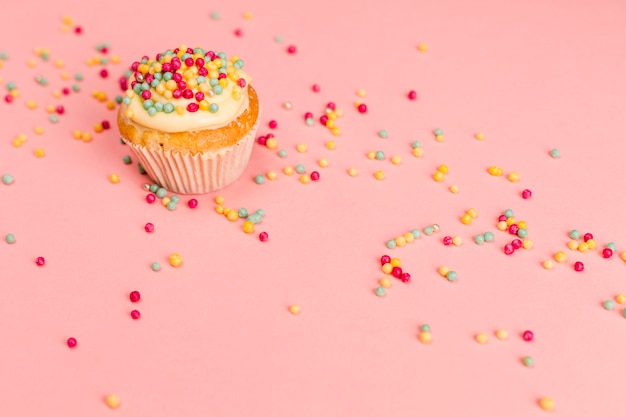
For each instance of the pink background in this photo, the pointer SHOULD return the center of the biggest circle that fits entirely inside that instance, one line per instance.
(215, 337)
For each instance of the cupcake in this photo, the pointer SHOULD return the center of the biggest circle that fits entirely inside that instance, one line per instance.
(190, 116)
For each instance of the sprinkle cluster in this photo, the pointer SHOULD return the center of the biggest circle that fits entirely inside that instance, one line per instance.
(184, 74)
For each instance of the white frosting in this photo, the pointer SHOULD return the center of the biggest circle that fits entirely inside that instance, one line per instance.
(229, 110)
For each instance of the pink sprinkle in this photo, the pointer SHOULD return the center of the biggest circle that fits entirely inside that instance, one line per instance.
(315, 176)
(71, 342)
(447, 240)
(516, 243)
(502, 218)
(607, 253)
(362, 108)
(151, 198)
(385, 259)
(261, 140)
(135, 314)
(238, 33)
(192, 203)
(273, 124)
(528, 336)
(509, 249)
(405, 277)
(134, 296)
(579, 266)
(412, 95)
(396, 271)
(241, 82)
(192, 107)
(60, 109)
(105, 124)
(291, 49)
(40, 261)
(104, 73)
(146, 94)
(149, 227)
(526, 194)
(331, 105)
(316, 88)
(263, 236)
(587, 236)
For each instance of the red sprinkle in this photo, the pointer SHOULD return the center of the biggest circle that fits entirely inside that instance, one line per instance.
(315, 176)
(526, 194)
(362, 108)
(149, 227)
(316, 88)
(579, 266)
(134, 296)
(105, 124)
(263, 236)
(238, 32)
(192, 107)
(607, 253)
(40, 261)
(273, 124)
(587, 236)
(8, 98)
(308, 115)
(528, 335)
(412, 95)
(151, 198)
(135, 314)
(396, 271)
(405, 277)
(71, 342)
(509, 249)
(193, 203)
(385, 259)
(291, 49)
(331, 105)
(104, 73)
(78, 30)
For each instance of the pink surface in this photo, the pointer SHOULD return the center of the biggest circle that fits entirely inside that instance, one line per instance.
(215, 336)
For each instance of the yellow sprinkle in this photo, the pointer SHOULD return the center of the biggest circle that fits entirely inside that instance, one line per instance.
(59, 63)
(17, 142)
(360, 92)
(438, 176)
(425, 337)
(67, 20)
(65, 28)
(396, 160)
(271, 175)
(219, 209)
(112, 401)
(111, 105)
(335, 131)
(502, 334)
(65, 76)
(395, 262)
(271, 143)
(522, 224)
(31, 104)
(387, 268)
(546, 403)
(400, 241)
(371, 155)
(232, 215)
(527, 243)
(473, 213)
(572, 244)
(560, 257)
(323, 162)
(466, 219)
(495, 171)
(31, 63)
(301, 147)
(379, 175)
(443, 271)
(86, 137)
(288, 170)
(620, 298)
(457, 241)
(591, 243)
(440, 138)
(176, 260)
(40, 153)
(14, 93)
(219, 199)
(548, 264)
(422, 47)
(77, 134)
(454, 189)
(583, 247)
(502, 226)
(479, 136)
(418, 152)
(248, 227)
(481, 338)
(331, 145)
(247, 15)
(305, 178)
(115, 59)
(39, 130)
(181, 109)
(114, 178)
(294, 309)
(129, 113)
(353, 172)
(98, 128)
(510, 221)
(385, 282)
(409, 237)
(513, 177)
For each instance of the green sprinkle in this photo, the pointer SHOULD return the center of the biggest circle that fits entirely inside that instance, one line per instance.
(611, 246)
(11, 86)
(416, 233)
(171, 206)
(41, 80)
(508, 213)
(141, 169)
(7, 179)
(254, 218)
(488, 236)
(380, 155)
(383, 133)
(574, 234)
(608, 305)
(214, 107)
(300, 169)
(279, 39)
(242, 212)
(416, 144)
(75, 88)
(425, 328)
(438, 132)
(161, 192)
(3, 56)
(119, 99)
(479, 239)
(523, 233)
(309, 121)
(428, 230)
(54, 118)
(154, 188)
(260, 212)
(555, 153)
(10, 238)
(391, 244)
(175, 198)
(155, 266)
(452, 276)
(78, 76)
(259, 179)
(215, 15)
(127, 159)
(381, 291)
(282, 153)
(528, 361)
(624, 312)
(44, 56)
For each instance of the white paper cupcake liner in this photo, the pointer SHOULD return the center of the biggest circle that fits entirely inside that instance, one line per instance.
(184, 173)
